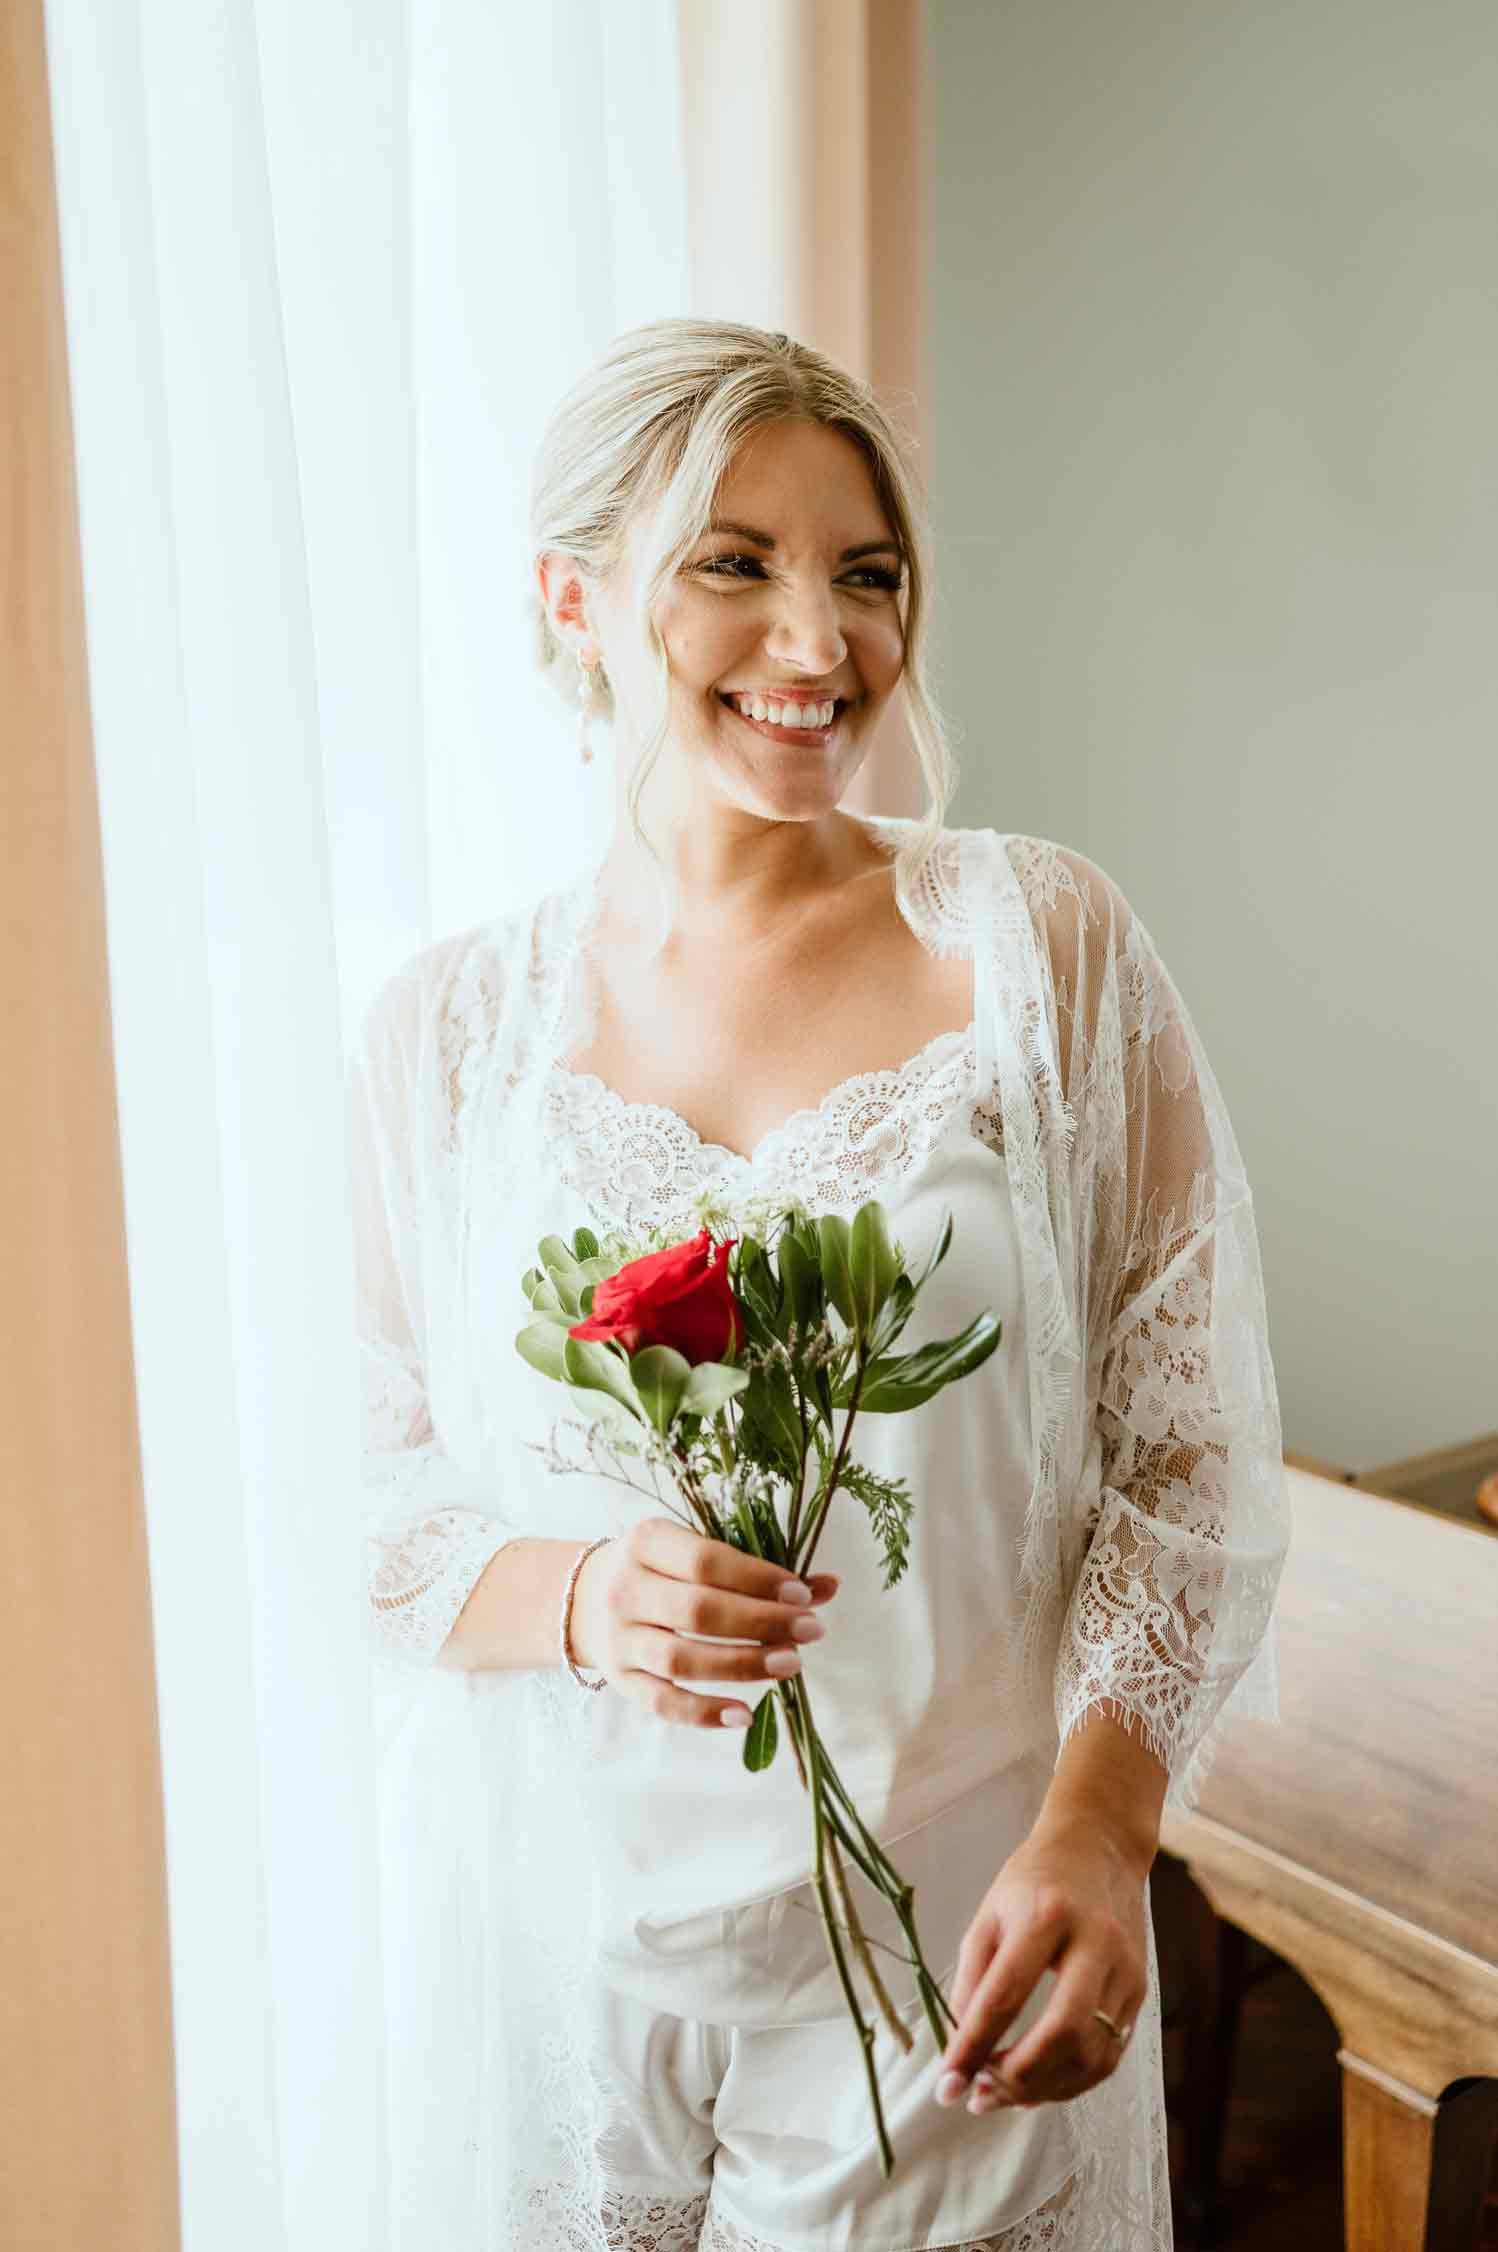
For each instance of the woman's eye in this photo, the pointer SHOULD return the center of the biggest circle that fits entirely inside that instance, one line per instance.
(727, 567)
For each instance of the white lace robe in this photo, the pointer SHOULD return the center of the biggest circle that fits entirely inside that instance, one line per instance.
(1153, 1539)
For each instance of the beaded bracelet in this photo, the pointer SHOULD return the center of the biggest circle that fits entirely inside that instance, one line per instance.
(566, 1619)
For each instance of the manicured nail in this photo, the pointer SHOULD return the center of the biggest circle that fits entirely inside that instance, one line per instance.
(736, 1716)
(950, 2087)
(985, 2081)
(794, 1591)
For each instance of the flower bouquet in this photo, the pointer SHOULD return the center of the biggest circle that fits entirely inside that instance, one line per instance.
(726, 1363)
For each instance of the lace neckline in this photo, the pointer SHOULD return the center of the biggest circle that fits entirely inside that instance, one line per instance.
(884, 1079)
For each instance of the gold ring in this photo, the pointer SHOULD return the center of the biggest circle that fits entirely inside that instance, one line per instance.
(1119, 2032)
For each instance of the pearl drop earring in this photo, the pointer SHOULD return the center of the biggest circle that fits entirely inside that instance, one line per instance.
(584, 698)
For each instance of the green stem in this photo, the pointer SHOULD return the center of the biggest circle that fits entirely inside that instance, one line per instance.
(707, 1516)
(829, 1925)
(860, 1939)
(803, 1565)
(795, 1729)
(883, 1945)
(872, 1860)
(795, 1515)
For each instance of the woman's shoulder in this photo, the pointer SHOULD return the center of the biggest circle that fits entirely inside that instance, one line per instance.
(435, 994)
(972, 878)
(1069, 895)
(1058, 879)
(1046, 870)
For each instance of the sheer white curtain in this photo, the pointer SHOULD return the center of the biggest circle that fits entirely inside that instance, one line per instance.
(327, 263)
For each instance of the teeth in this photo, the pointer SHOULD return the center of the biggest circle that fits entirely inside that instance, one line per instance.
(786, 715)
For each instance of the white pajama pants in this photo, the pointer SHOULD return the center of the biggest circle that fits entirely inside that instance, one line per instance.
(748, 2122)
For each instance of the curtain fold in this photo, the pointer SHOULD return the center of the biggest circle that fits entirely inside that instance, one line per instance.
(326, 269)
(316, 312)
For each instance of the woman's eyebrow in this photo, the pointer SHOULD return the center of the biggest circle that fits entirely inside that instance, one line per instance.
(763, 539)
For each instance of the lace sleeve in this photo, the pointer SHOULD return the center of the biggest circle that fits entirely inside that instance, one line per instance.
(428, 1533)
(1171, 1602)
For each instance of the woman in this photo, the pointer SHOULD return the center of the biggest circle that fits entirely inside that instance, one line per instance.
(609, 2024)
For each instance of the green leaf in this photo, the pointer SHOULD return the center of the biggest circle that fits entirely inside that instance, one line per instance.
(660, 1375)
(801, 1280)
(762, 1734)
(604, 1407)
(804, 1228)
(742, 1529)
(584, 1245)
(567, 1283)
(837, 1272)
(595, 1367)
(555, 1254)
(938, 1253)
(545, 1300)
(774, 1410)
(769, 1532)
(872, 1262)
(710, 1386)
(541, 1343)
(910, 1379)
(755, 1284)
(769, 1432)
(896, 1312)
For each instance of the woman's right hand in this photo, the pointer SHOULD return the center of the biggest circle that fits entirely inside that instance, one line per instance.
(640, 1596)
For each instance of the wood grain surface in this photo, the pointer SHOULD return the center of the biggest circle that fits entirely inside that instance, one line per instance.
(1358, 1839)
(1381, 1776)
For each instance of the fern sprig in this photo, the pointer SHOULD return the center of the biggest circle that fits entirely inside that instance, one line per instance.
(889, 1504)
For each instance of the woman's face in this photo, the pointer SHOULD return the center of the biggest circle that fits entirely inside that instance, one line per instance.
(791, 613)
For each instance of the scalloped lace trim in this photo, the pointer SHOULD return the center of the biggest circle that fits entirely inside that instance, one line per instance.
(648, 2221)
(640, 2221)
(1148, 1637)
(419, 1584)
(640, 1163)
(1052, 2227)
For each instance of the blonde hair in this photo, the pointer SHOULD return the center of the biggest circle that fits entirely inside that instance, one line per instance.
(660, 419)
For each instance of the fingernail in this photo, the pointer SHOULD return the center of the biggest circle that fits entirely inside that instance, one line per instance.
(982, 2100)
(950, 2086)
(985, 2081)
(807, 1628)
(736, 1716)
(794, 1591)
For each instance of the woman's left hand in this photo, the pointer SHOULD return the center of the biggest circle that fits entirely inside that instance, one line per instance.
(1069, 1901)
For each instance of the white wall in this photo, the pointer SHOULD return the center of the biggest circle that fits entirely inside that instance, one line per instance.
(1214, 352)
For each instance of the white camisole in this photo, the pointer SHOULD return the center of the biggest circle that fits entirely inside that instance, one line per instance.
(911, 1685)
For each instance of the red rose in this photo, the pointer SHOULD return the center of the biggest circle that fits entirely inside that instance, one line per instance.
(679, 1297)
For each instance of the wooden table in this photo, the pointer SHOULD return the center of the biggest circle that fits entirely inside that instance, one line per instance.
(1359, 1838)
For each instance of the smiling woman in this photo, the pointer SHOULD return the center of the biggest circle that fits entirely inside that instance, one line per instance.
(615, 2019)
(824, 639)
(772, 544)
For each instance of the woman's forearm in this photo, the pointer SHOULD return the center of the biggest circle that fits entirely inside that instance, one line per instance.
(511, 1616)
(1107, 1782)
